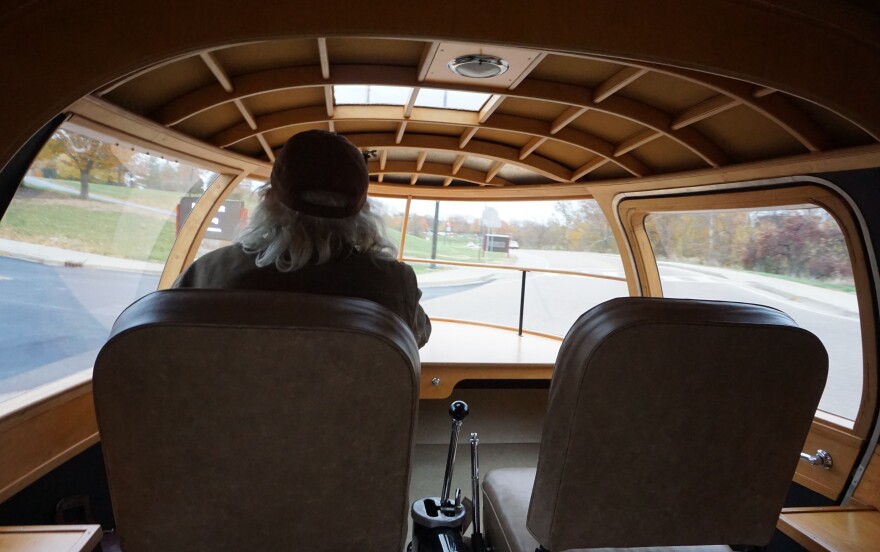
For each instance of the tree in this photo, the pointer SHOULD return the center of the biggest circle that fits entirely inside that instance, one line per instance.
(87, 154)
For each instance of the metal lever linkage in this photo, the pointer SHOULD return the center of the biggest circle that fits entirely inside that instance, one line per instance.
(458, 411)
(822, 458)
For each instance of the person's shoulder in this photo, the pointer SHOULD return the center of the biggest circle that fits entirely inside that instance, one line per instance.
(223, 255)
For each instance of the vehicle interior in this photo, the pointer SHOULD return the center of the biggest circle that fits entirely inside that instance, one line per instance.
(690, 188)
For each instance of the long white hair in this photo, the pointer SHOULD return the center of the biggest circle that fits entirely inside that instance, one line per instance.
(289, 239)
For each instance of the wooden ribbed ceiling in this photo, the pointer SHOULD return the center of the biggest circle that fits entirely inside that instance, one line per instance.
(553, 118)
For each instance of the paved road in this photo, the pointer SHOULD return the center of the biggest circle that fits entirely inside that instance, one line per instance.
(55, 318)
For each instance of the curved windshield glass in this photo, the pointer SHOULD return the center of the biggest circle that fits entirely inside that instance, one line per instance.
(470, 258)
(86, 234)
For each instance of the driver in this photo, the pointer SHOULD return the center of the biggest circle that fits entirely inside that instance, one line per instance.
(313, 232)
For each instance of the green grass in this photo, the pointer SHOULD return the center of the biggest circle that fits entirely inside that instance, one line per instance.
(90, 227)
(160, 199)
(848, 288)
(448, 249)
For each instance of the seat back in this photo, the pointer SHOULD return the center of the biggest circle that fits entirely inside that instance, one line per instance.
(244, 420)
(674, 422)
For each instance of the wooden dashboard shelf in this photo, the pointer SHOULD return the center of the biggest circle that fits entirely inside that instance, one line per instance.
(50, 538)
(835, 529)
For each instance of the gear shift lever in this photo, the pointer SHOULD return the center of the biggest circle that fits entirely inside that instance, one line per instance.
(458, 411)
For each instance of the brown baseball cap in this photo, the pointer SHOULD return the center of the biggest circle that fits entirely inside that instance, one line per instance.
(316, 160)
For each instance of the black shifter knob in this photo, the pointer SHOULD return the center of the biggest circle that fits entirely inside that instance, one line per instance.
(458, 410)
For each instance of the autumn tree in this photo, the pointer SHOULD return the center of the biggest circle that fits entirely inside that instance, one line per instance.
(87, 154)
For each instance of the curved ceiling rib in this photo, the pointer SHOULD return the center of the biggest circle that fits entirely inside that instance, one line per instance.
(446, 172)
(501, 122)
(274, 80)
(777, 108)
(475, 148)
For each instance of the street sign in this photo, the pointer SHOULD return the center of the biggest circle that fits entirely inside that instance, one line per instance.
(226, 221)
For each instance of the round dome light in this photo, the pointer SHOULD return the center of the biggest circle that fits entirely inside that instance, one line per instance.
(478, 66)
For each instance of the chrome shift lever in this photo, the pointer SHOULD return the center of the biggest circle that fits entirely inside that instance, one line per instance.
(458, 411)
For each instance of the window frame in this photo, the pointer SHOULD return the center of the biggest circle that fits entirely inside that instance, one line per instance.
(827, 431)
(633, 213)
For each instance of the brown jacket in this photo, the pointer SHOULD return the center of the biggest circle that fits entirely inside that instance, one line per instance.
(389, 283)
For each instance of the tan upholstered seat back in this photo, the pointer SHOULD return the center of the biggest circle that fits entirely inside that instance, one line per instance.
(242, 420)
(674, 422)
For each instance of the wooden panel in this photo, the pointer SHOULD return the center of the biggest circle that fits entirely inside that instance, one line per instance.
(843, 447)
(868, 491)
(50, 538)
(36, 439)
(833, 529)
(448, 376)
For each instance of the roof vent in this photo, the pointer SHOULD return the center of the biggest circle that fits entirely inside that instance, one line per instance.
(478, 66)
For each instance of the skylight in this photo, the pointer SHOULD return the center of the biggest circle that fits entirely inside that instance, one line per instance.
(399, 95)
(371, 95)
(451, 99)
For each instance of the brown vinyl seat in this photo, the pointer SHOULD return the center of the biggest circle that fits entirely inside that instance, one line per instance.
(672, 424)
(246, 420)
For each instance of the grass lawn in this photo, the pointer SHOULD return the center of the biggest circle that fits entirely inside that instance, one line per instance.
(448, 249)
(89, 226)
(160, 199)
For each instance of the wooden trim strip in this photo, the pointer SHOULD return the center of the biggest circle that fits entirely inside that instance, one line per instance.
(275, 80)
(434, 169)
(329, 102)
(531, 67)
(533, 144)
(636, 141)
(401, 128)
(456, 165)
(476, 148)
(420, 160)
(428, 54)
(566, 117)
(588, 167)
(703, 110)
(490, 106)
(383, 159)
(411, 102)
(269, 153)
(536, 128)
(246, 115)
(324, 58)
(494, 170)
(617, 82)
(466, 137)
(217, 70)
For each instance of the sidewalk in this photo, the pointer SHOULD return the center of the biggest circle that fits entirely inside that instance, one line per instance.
(56, 256)
(833, 301)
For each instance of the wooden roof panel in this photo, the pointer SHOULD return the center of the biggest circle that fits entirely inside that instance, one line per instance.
(374, 51)
(607, 127)
(666, 155)
(667, 93)
(572, 70)
(532, 109)
(747, 136)
(281, 100)
(156, 87)
(212, 121)
(261, 56)
(842, 132)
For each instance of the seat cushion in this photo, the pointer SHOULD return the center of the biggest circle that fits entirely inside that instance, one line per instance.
(506, 495)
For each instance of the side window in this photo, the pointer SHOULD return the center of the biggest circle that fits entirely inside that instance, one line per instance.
(792, 259)
(782, 248)
(86, 234)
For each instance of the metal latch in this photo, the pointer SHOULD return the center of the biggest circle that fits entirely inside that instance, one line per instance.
(822, 458)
